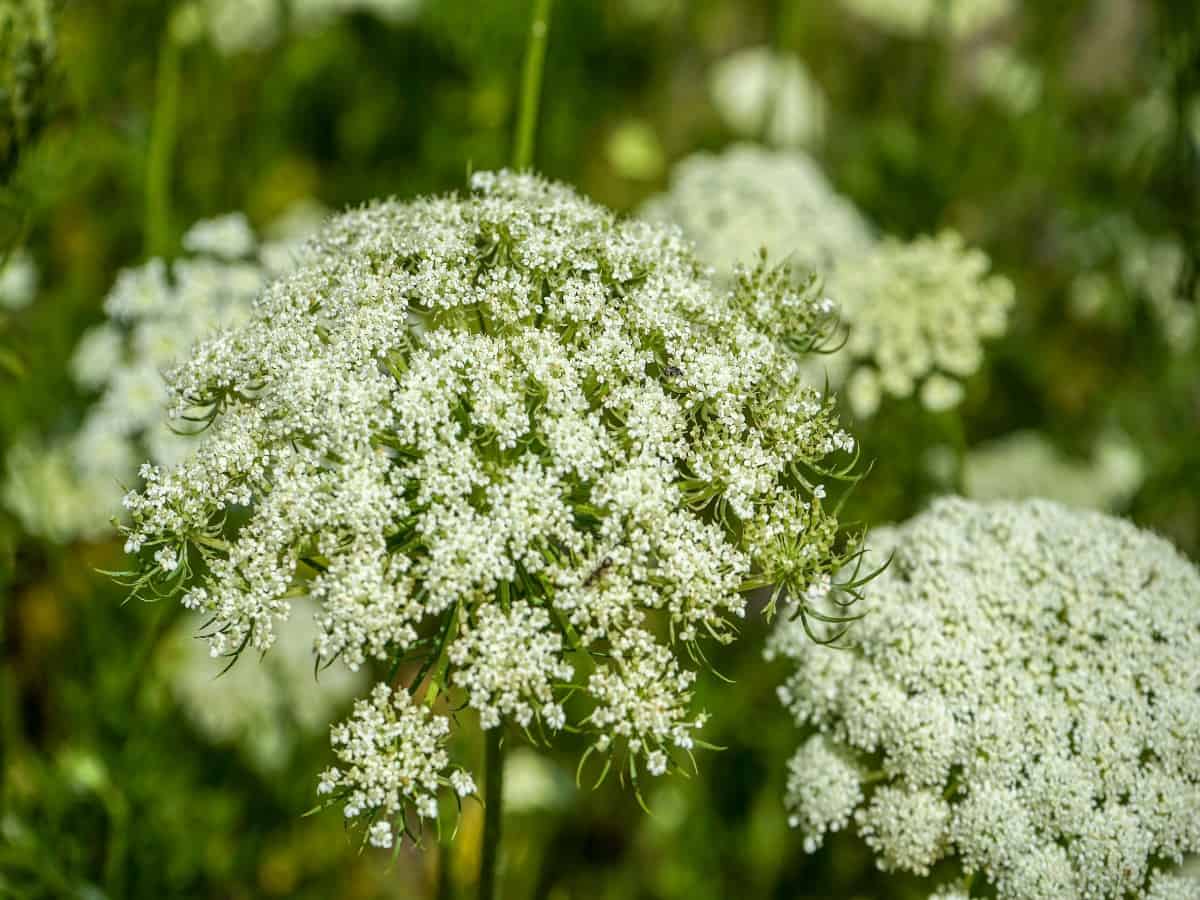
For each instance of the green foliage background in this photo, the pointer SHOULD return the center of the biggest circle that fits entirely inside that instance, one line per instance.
(108, 792)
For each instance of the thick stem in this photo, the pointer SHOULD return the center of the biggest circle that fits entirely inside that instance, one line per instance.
(162, 145)
(493, 813)
(531, 85)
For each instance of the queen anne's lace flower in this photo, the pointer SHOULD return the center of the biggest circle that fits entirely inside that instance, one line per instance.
(917, 315)
(1029, 681)
(500, 432)
(826, 783)
(760, 93)
(736, 203)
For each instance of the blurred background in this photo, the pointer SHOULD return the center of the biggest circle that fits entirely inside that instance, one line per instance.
(1060, 139)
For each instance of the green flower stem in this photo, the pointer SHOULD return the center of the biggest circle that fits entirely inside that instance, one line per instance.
(493, 813)
(531, 85)
(493, 745)
(162, 145)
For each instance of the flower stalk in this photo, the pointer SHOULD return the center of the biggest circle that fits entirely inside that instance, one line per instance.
(163, 130)
(531, 85)
(493, 813)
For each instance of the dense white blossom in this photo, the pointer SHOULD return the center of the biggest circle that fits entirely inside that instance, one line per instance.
(763, 94)
(959, 18)
(1023, 698)
(917, 315)
(392, 758)
(734, 204)
(1027, 464)
(826, 783)
(18, 279)
(263, 706)
(516, 437)
(155, 312)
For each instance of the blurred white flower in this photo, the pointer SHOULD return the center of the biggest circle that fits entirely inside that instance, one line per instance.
(1026, 464)
(734, 204)
(18, 280)
(1008, 78)
(533, 783)
(917, 314)
(262, 706)
(762, 94)
(156, 313)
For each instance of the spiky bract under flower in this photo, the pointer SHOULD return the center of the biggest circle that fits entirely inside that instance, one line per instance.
(509, 437)
(1026, 691)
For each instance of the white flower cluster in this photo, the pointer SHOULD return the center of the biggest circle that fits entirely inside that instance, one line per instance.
(960, 19)
(762, 94)
(1027, 464)
(262, 706)
(918, 313)
(734, 204)
(1027, 690)
(43, 489)
(496, 431)
(18, 279)
(156, 312)
(394, 756)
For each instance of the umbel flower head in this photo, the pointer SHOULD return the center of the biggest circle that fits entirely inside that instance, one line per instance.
(522, 444)
(736, 203)
(917, 315)
(1023, 698)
